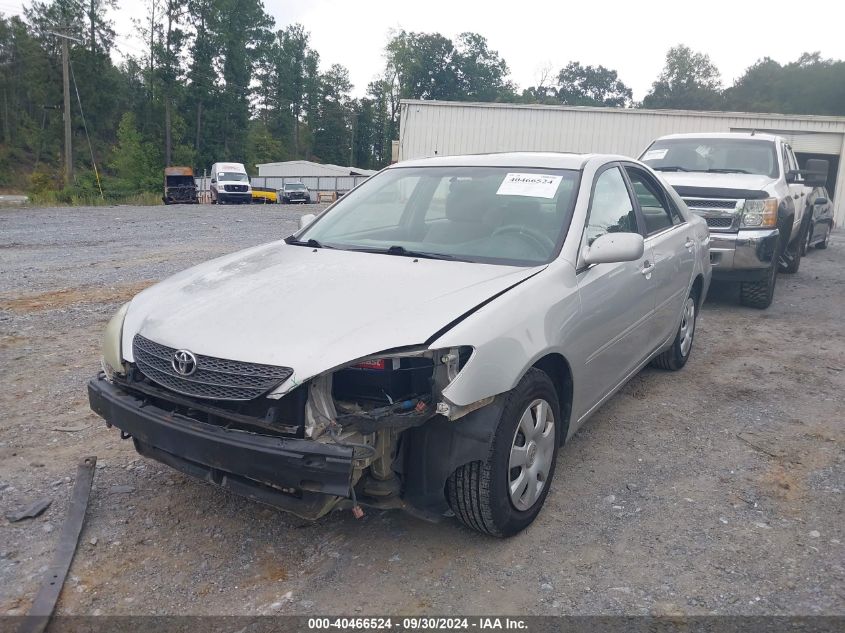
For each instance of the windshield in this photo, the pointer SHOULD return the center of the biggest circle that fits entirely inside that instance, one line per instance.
(719, 155)
(231, 175)
(515, 215)
(296, 187)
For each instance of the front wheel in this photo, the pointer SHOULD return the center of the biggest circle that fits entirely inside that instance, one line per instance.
(677, 356)
(790, 261)
(759, 294)
(504, 494)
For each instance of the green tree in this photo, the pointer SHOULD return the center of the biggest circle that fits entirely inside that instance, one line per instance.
(332, 132)
(481, 73)
(809, 85)
(135, 163)
(591, 86)
(689, 80)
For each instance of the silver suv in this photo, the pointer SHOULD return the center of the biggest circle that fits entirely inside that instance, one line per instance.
(754, 198)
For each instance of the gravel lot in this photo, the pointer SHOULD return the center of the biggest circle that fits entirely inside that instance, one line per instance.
(718, 489)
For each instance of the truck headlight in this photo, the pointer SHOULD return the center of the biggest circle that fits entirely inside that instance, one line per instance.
(112, 360)
(759, 214)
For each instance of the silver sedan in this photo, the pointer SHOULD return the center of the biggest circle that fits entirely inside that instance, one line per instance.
(427, 343)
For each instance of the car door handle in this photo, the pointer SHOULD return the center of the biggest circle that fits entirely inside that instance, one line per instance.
(648, 268)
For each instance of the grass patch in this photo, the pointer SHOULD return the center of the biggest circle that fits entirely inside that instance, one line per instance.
(70, 198)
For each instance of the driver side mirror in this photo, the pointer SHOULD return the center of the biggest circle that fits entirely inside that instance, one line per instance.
(213, 180)
(815, 172)
(305, 220)
(614, 247)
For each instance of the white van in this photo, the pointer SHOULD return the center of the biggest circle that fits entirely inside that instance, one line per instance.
(229, 183)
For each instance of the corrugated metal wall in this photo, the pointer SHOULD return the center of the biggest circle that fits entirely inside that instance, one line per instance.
(439, 128)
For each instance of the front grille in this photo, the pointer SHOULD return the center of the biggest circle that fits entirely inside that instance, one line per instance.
(720, 223)
(214, 378)
(235, 188)
(710, 203)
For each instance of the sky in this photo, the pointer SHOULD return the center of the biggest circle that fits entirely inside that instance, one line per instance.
(630, 37)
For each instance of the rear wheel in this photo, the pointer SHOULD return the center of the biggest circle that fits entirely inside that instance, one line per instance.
(504, 494)
(677, 356)
(823, 245)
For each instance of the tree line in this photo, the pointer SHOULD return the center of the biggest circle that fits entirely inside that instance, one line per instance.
(216, 80)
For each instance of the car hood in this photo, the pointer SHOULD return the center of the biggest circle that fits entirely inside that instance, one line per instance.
(750, 182)
(310, 309)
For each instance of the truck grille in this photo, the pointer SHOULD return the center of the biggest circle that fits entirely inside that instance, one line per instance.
(214, 378)
(720, 223)
(235, 188)
(719, 213)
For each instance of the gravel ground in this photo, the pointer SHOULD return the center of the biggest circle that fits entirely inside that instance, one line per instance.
(717, 489)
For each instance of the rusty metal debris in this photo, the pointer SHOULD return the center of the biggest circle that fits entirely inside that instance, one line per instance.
(45, 601)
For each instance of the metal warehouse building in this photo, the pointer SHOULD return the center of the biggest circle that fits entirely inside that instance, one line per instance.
(315, 176)
(438, 128)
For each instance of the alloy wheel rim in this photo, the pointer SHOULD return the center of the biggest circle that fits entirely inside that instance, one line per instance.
(532, 451)
(687, 326)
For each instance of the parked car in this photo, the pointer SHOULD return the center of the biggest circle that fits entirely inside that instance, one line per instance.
(295, 192)
(821, 222)
(264, 195)
(427, 343)
(229, 183)
(179, 186)
(755, 200)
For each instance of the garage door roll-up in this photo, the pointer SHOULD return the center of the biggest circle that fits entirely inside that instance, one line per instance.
(805, 142)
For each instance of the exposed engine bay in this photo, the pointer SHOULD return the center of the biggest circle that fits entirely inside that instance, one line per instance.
(367, 406)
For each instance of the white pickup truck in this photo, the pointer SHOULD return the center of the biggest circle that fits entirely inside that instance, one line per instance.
(754, 198)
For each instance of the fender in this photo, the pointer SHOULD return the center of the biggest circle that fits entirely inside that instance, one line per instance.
(432, 452)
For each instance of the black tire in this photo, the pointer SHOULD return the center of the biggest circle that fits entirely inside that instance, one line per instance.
(677, 356)
(478, 492)
(823, 245)
(759, 294)
(791, 260)
(808, 242)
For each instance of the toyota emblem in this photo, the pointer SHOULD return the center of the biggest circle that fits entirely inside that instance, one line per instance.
(184, 362)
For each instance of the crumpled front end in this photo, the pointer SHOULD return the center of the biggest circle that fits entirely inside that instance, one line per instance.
(343, 438)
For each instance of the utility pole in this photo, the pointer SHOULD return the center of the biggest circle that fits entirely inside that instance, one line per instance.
(67, 114)
(66, 86)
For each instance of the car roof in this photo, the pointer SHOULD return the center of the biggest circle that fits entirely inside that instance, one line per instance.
(745, 135)
(545, 160)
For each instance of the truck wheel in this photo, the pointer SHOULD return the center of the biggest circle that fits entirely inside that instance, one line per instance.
(504, 494)
(677, 356)
(759, 294)
(823, 245)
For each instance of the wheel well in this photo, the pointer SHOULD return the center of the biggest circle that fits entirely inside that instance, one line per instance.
(557, 368)
(697, 286)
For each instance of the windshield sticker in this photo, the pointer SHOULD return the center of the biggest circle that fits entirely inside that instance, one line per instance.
(533, 185)
(703, 150)
(655, 154)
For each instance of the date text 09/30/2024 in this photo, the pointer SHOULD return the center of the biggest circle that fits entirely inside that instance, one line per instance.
(417, 624)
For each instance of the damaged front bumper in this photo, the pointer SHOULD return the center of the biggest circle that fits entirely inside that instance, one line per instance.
(301, 476)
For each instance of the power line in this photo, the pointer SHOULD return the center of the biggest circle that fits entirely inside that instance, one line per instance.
(85, 127)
